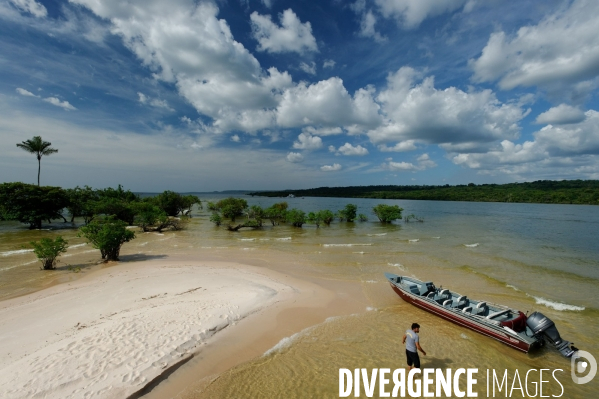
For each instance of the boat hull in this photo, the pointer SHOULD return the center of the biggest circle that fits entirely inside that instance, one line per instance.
(465, 321)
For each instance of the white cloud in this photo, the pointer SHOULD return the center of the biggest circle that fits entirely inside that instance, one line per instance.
(567, 150)
(62, 104)
(183, 42)
(294, 157)
(307, 142)
(31, 6)
(367, 28)
(267, 3)
(24, 92)
(308, 68)
(330, 168)
(410, 13)
(291, 36)
(235, 138)
(327, 103)
(560, 115)
(408, 145)
(348, 149)
(154, 102)
(423, 162)
(450, 117)
(329, 64)
(561, 49)
(323, 131)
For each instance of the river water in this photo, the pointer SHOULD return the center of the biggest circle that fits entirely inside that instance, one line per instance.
(527, 256)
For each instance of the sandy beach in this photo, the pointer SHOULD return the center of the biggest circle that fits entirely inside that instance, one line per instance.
(113, 332)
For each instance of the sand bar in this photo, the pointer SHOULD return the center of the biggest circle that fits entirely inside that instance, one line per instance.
(112, 332)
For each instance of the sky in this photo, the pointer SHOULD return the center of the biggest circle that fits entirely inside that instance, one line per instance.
(200, 95)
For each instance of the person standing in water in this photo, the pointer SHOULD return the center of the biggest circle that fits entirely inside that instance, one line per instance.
(412, 342)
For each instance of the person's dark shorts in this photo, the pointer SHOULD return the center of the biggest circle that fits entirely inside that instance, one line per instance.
(413, 358)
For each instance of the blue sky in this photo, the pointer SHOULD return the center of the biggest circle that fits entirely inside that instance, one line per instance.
(192, 95)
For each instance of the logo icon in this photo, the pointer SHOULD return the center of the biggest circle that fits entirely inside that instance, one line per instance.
(582, 361)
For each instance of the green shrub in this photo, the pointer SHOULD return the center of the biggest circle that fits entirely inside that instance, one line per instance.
(107, 235)
(387, 213)
(296, 217)
(47, 250)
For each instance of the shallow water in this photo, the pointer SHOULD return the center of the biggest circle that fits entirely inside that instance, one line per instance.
(527, 256)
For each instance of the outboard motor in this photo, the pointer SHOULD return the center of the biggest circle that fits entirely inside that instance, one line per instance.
(542, 326)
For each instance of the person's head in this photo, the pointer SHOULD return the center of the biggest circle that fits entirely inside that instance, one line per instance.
(415, 327)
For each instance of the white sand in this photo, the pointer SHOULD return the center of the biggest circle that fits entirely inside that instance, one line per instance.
(108, 334)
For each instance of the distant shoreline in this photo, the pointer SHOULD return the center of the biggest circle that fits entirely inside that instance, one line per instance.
(581, 192)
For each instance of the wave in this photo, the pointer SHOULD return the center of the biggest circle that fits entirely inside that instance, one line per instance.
(247, 239)
(512, 287)
(247, 249)
(283, 239)
(556, 305)
(398, 265)
(472, 245)
(346, 245)
(264, 239)
(436, 238)
(288, 341)
(18, 252)
(77, 246)
(79, 253)
(376, 235)
(359, 253)
(22, 264)
(414, 240)
(371, 281)
(370, 309)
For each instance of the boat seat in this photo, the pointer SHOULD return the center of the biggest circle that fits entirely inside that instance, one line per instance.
(467, 309)
(424, 288)
(448, 303)
(431, 295)
(414, 289)
(480, 309)
(461, 302)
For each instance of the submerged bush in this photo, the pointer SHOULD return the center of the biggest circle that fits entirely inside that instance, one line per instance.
(108, 236)
(47, 250)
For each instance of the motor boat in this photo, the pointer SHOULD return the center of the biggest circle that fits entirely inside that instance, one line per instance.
(510, 326)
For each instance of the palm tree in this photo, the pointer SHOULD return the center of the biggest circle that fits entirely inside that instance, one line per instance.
(38, 147)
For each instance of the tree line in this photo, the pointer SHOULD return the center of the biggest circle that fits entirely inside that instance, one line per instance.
(106, 213)
(33, 205)
(239, 214)
(542, 191)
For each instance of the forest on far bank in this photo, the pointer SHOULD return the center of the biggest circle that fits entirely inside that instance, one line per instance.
(542, 191)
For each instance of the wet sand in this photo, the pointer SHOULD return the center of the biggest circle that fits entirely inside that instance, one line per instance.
(159, 328)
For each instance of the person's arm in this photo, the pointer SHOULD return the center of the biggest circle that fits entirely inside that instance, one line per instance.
(403, 341)
(420, 348)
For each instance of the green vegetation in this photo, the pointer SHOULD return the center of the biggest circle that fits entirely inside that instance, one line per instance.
(296, 217)
(348, 213)
(47, 250)
(326, 216)
(174, 204)
(387, 213)
(107, 235)
(362, 217)
(231, 208)
(32, 204)
(38, 147)
(276, 213)
(542, 191)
